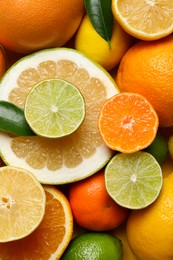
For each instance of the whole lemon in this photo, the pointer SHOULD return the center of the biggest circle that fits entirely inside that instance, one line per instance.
(89, 42)
(150, 230)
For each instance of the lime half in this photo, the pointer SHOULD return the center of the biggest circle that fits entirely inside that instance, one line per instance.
(133, 180)
(54, 108)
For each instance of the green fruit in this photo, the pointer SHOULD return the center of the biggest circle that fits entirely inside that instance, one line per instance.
(73, 156)
(54, 108)
(94, 246)
(158, 148)
(134, 180)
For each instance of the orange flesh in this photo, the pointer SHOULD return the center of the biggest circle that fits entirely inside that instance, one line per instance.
(71, 150)
(128, 122)
(45, 240)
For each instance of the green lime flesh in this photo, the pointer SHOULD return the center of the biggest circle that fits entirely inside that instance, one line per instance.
(94, 246)
(54, 108)
(133, 180)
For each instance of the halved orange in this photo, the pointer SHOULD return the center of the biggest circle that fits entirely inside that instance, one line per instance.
(52, 236)
(128, 123)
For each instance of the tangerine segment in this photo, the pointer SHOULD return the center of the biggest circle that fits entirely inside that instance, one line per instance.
(144, 19)
(22, 203)
(51, 237)
(128, 123)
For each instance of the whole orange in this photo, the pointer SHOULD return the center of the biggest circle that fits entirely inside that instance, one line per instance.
(147, 69)
(30, 25)
(92, 207)
(3, 65)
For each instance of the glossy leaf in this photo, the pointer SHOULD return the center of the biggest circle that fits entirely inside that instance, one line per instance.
(100, 14)
(12, 120)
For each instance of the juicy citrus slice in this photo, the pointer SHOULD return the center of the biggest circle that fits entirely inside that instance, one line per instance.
(134, 181)
(73, 157)
(51, 237)
(128, 123)
(54, 108)
(22, 203)
(144, 19)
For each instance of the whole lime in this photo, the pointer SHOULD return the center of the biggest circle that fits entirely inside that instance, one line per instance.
(158, 148)
(94, 246)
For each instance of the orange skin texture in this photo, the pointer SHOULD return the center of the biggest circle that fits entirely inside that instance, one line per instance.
(92, 207)
(3, 65)
(30, 25)
(147, 69)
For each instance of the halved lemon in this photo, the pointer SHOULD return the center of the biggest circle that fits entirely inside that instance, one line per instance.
(52, 236)
(144, 19)
(73, 157)
(22, 203)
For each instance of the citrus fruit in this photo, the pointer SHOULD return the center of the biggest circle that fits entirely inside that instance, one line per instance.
(51, 237)
(88, 41)
(22, 203)
(54, 108)
(73, 157)
(3, 64)
(149, 230)
(133, 180)
(128, 123)
(35, 25)
(158, 148)
(147, 19)
(94, 246)
(147, 69)
(92, 206)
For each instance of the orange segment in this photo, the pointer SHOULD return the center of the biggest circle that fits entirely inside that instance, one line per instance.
(128, 122)
(22, 203)
(51, 237)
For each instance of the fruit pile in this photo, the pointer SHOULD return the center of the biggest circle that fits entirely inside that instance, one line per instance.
(86, 130)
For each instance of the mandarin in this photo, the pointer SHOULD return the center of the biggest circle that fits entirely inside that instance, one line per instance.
(33, 25)
(147, 69)
(128, 123)
(92, 207)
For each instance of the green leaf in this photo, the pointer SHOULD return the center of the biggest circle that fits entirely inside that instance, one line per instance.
(101, 17)
(12, 120)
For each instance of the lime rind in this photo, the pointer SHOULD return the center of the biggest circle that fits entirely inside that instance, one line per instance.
(133, 180)
(54, 108)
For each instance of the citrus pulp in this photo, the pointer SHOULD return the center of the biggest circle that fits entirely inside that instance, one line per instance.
(72, 157)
